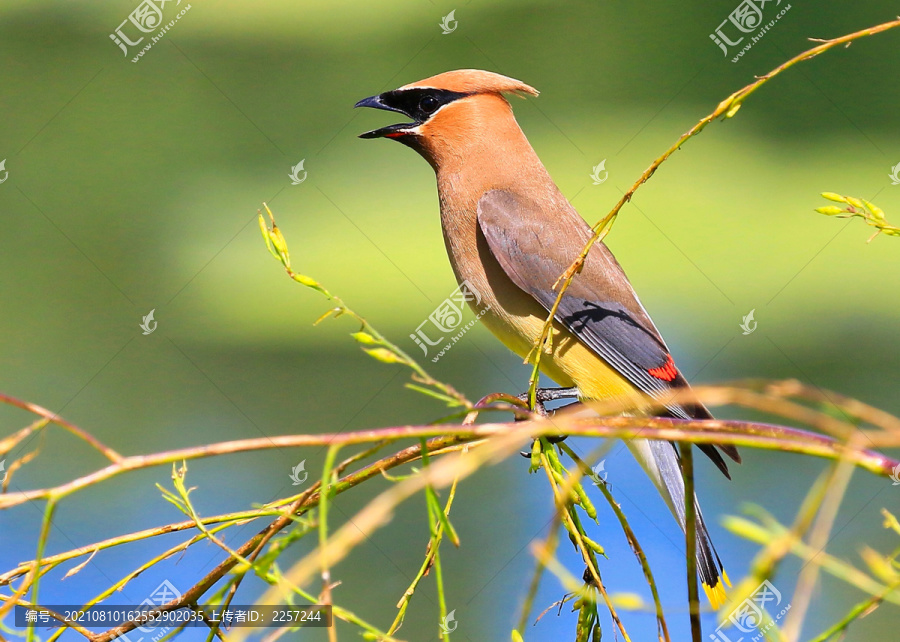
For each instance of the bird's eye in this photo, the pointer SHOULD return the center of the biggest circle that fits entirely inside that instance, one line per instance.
(429, 104)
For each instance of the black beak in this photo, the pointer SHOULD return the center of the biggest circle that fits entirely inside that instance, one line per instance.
(391, 131)
(374, 102)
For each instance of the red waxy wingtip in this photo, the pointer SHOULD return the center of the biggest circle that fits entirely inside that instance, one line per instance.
(667, 371)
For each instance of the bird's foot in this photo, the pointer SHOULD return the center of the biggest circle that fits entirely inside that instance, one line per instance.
(543, 395)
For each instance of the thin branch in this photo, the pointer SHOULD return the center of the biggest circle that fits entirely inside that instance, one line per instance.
(818, 540)
(726, 109)
(370, 339)
(739, 433)
(306, 500)
(379, 511)
(325, 490)
(574, 528)
(764, 534)
(629, 536)
(690, 538)
(448, 437)
(236, 518)
(52, 417)
(853, 407)
(858, 611)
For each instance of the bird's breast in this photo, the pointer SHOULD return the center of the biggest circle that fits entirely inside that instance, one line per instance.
(513, 315)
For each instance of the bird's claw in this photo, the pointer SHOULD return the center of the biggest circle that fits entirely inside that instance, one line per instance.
(543, 395)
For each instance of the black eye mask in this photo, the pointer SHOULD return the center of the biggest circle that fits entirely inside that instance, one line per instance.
(419, 103)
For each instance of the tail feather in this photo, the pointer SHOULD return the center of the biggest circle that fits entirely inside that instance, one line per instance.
(661, 461)
(699, 411)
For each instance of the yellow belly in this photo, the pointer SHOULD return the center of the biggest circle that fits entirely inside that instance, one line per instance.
(517, 319)
(570, 363)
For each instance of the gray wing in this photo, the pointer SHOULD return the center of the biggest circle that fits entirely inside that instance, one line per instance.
(600, 307)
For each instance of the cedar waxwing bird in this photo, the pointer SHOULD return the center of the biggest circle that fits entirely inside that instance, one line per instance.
(510, 233)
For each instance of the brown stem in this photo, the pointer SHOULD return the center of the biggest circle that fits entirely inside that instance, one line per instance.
(108, 452)
(303, 503)
(739, 433)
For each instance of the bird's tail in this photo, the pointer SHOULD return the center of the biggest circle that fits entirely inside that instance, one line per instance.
(661, 462)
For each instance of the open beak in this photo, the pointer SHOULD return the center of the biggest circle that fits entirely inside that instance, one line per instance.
(391, 131)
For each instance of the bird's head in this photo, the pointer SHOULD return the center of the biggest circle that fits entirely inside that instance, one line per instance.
(449, 111)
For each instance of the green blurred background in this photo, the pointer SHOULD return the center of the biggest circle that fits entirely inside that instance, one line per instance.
(134, 186)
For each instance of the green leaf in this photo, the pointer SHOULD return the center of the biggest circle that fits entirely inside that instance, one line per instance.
(877, 212)
(879, 565)
(384, 355)
(586, 503)
(443, 519)
(890, 521)
(305, 280)
(335, 311)
(746, 529)
(279, 243)
(365, 338)
(631, 601)
(450, 401)
(594, 546)
(535, 456)
(266, 238)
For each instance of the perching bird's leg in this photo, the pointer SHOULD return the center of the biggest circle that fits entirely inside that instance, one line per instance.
(543, 395)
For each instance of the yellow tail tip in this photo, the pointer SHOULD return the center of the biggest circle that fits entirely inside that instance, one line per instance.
(716, 594)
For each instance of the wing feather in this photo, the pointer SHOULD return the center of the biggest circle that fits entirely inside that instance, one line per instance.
(600, 308)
